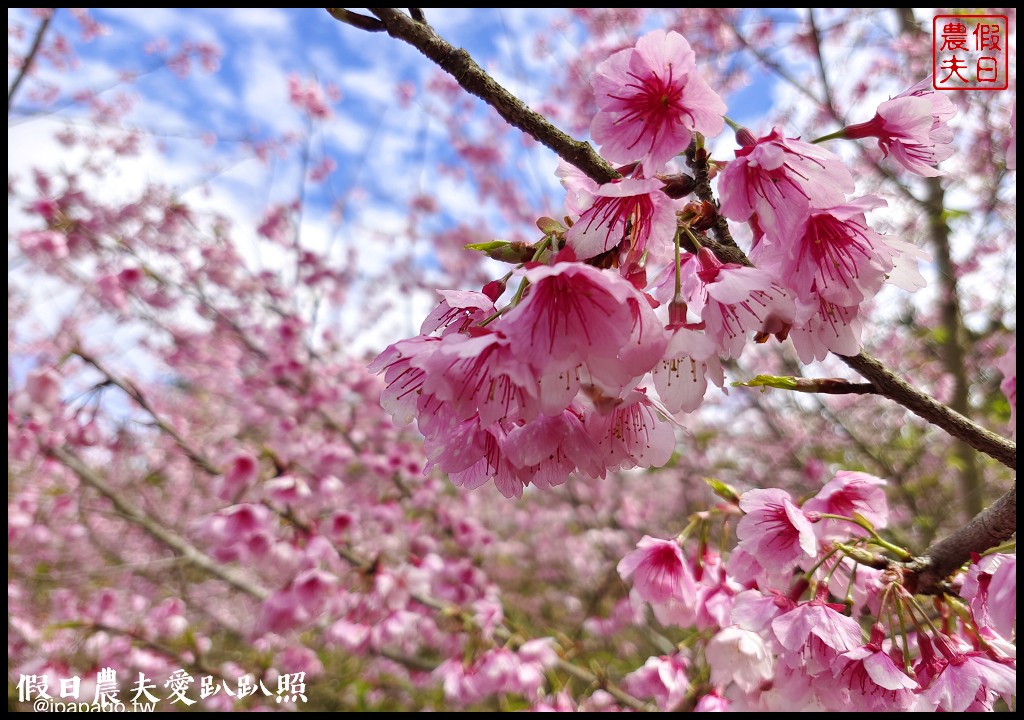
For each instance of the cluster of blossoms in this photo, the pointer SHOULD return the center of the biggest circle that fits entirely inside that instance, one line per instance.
(773, 641)
(624, 300)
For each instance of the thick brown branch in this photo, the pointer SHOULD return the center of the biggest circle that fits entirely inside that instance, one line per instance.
(923, 405)
(994, 525)
(458, 63)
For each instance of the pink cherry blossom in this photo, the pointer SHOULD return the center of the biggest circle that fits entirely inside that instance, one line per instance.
(847, 494)
(712, 702)
(991, 587)
(681, 378)
(953, 680)
(778, 179)
(912, 127)
(631, 214)
(457, 310)
(632, 434)
(835, 255)
(815, 633)
(822, 327)
(734, 300)
(480, 373)
(739, 655)
(774, 530)
(662, 679)
(402, 395)
(651, 100)
(659, 570)
(572, 311)
(873, 680)
(551, 447)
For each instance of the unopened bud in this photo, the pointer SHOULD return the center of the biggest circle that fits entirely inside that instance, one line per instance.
(699, 215)
(503, 251)
(745, 138)
(494, 289)
(677, 186)
(677, 312)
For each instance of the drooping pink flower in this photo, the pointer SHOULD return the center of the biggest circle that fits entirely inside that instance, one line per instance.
(778, 179)
(457, 310)
(573, 311)
(821, 327)
(549, 448)
(815, 633)
(651, 100)
(659, 570)
(481, 373)
(681, 378)
(631, 434)
(734, 300)
(738, 655)
(241, 472)
(847, 494)
(774, 530)
(835, 255)
(872, 680)
(712, 702)
(991, 587)
(661, 678)
(633, 214)
(953, 680)
(912, 127)
(402, 397)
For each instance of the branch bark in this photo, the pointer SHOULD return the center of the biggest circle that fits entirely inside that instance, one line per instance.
(925, 406)
(994, 525)
(474, 80)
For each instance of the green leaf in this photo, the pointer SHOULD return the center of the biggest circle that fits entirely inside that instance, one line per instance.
(774, 381)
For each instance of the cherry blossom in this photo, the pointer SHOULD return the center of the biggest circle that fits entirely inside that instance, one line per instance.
(912, 127)
(633, 214)
(774, 530)
(651, 100)
(776, 181)
(659, 570)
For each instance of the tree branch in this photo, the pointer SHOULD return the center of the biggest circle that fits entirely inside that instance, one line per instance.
(135, 394)
(924, 406)
(458, 63)
(158, 532)
(992, 526)
(26, 64)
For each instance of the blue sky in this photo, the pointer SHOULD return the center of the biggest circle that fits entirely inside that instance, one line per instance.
(384, 152)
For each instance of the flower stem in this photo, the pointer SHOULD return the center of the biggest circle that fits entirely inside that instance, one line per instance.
(833, 136)
(901, 553)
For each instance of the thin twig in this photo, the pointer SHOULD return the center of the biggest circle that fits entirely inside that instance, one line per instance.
(924, 406)
(135, 394)
(135, 515)
(26, 64)
(458, 63)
